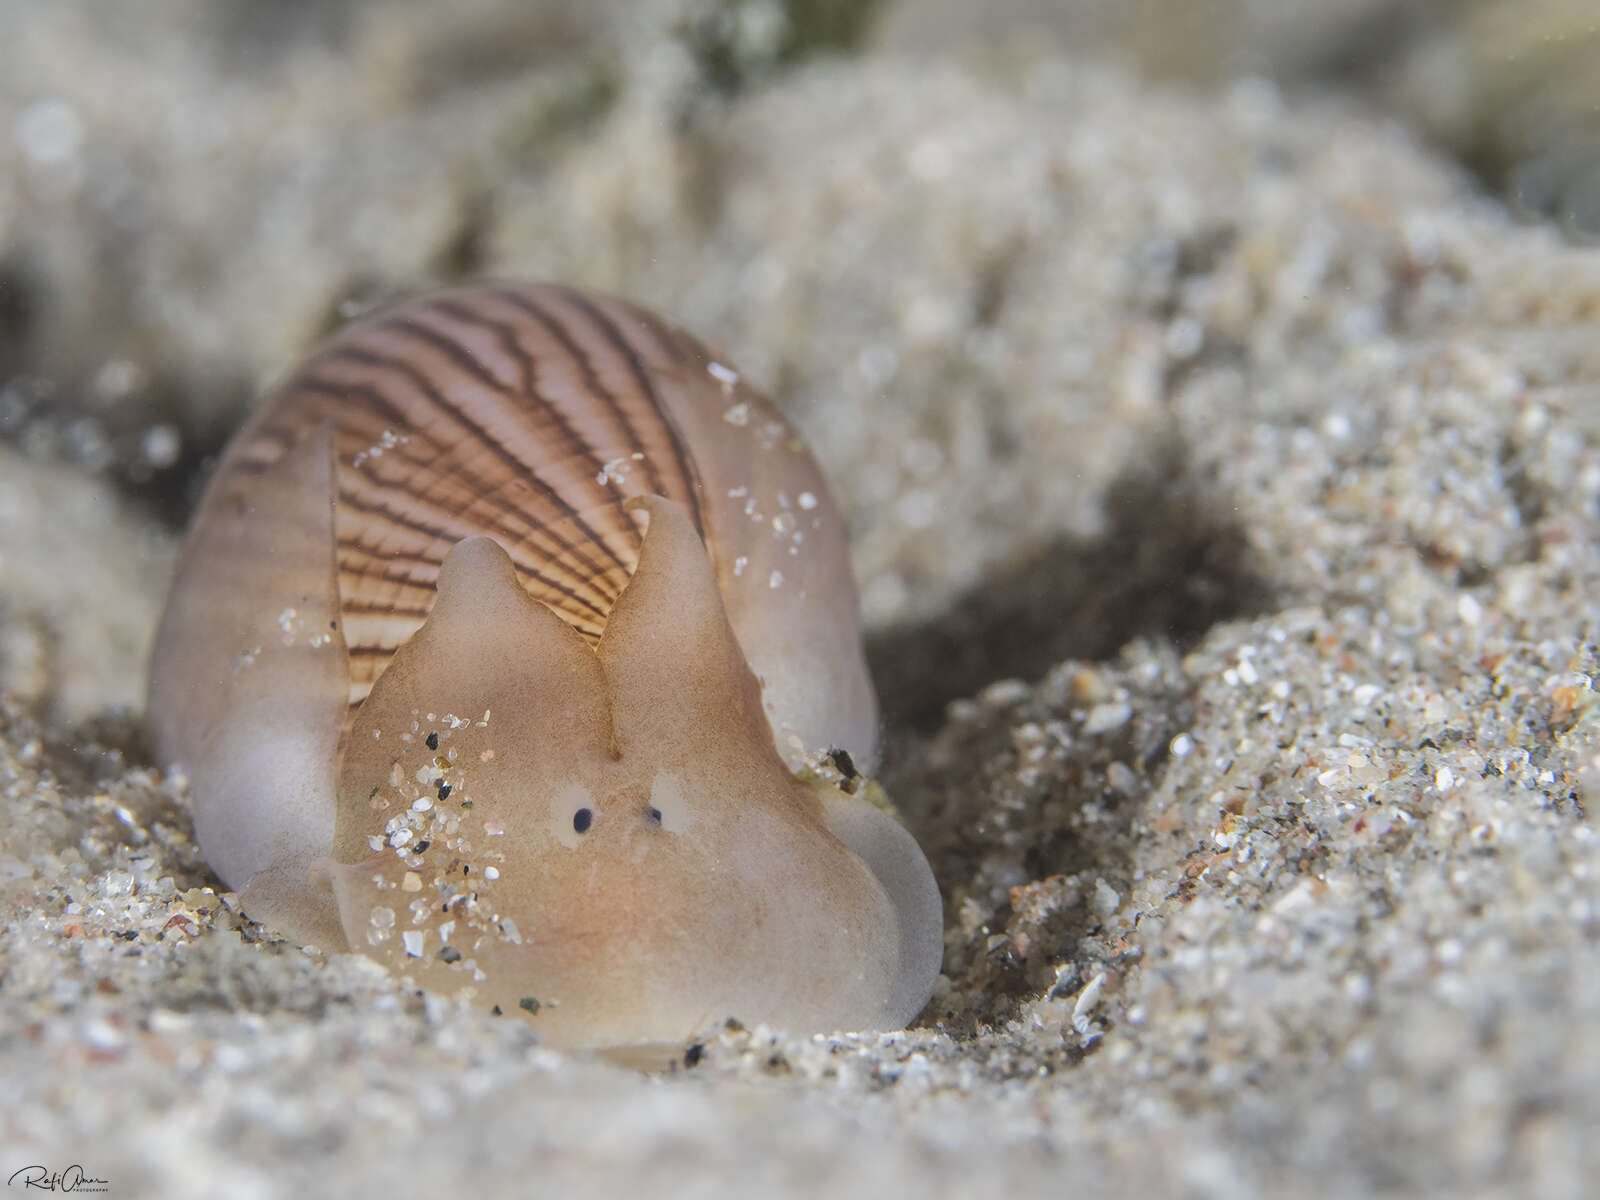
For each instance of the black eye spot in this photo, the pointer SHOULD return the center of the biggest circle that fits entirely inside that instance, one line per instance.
(581, 820)
(654, 814)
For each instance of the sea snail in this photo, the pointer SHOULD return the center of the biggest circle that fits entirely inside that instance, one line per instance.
(504, 648)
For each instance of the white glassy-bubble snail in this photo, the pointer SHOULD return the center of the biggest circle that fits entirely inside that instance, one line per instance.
(504, 648)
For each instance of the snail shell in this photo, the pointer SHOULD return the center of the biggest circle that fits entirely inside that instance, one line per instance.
(498, 649)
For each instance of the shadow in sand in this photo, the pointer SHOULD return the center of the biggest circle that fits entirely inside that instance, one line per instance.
(1171, 562)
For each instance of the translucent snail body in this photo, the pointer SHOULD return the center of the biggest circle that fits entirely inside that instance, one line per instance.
(499, 648)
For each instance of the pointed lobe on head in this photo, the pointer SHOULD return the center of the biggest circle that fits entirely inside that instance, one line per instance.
(675, 676)
(609, 833)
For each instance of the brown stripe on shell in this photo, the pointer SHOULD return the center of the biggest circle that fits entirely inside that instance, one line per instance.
(530, 414)
(644, 395)
(471, 431)
(508, 334)
(422, 464)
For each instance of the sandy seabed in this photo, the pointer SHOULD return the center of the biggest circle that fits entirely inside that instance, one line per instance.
(1223, 472)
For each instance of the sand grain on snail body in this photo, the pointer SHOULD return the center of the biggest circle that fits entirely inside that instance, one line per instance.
(501, 646)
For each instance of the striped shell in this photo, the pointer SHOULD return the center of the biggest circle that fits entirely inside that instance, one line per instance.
(531, 444)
